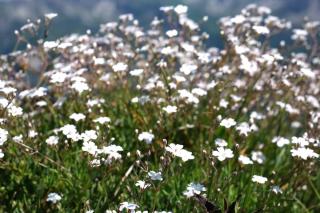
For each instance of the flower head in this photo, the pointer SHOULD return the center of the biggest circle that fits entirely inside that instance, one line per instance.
(222, 153)
(259, 179)
(53, 197)
(155, 175)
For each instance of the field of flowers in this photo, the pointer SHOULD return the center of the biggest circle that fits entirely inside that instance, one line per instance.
(153, 120)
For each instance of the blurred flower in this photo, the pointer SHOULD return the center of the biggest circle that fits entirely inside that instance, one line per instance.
(89, 147)
(129, 206)
(170, 109)
(245, 160)
(177, 150)
(136, 72)
(280, 141)
(276, 190)
(3, 136)
(228, 122)
(155, 175)
(194, 188)
(181, 9)
(258, 156)
(120, 67)
(222, 153)
(53, 197)
(220, 142)
(259, 179)
(142, 184)
(89, 135)
(77, 116)
(261, 30)
(50, 15)
(146, 137)
(172, 33)
(304, 153)
(102, 120)
(52, 140)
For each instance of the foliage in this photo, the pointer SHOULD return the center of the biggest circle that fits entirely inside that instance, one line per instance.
(132, 119)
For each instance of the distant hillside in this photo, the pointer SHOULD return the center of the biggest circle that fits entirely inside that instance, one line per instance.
(79, 15)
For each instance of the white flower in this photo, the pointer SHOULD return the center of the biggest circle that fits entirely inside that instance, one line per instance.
(181, 9)
(4, 102)
(222, 153)
(135, 100)
(188, 96)
(177, 150)
(223, 103)
(52, 140)
(245, 160)
(199, 92)
(50, 15)
(304, 153)
(58, 77)
(280, 141)
(258, 157)
(166, 8)
(53, 197)
(14, 110)
(146, 137)
(120, 67)
(77, 116)
(185, 155)
(238, 19)
(89, 147)
(228, 122)
(102, 120)
(276, 190)
(1, 154)
(95, 163)
(299, 35)
(80, 86)
(89, 135)
(112, 151)
(8, 90)
(244, 128)
(136, 72)
(128, 206)
(155, 175)
(50, 44)
(249, 66)
(301, 141)
(170, 109)
(179, 78)
(220, 142)
(194, 188)
(3, 136)
(70, 131)
(41, 103)
(142, 184)
(172, 33)
(111, 211)
(188, 68)
(18, 139)
(32, 133)
(259, 179)
(261, 30)
(99, 61)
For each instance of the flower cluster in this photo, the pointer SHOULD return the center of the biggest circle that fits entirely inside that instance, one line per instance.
(132, 118)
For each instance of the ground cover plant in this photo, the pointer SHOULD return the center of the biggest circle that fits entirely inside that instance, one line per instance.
(134, 120)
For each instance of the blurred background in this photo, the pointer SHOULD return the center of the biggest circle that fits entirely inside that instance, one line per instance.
(76, 16)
